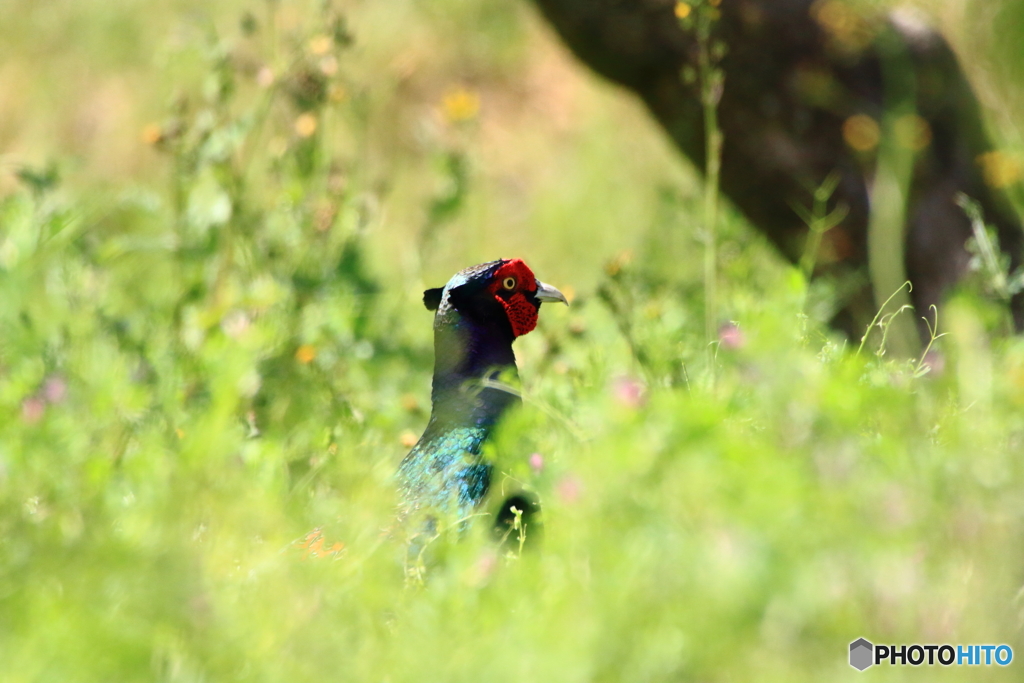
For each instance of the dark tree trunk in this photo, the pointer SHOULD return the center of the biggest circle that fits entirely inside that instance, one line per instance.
(793, 77)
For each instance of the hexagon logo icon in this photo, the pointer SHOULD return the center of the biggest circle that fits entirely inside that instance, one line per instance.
(861, 652)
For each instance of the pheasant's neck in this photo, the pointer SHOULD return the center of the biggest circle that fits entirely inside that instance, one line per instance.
(472, 367)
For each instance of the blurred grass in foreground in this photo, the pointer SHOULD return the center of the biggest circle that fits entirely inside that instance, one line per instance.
(194, 379)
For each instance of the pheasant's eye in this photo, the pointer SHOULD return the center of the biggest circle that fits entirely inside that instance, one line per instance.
(509, 283)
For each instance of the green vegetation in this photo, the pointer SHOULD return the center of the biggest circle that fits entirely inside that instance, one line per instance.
(213, 354)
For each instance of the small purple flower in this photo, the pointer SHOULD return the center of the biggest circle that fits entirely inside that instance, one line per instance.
(731, 337)
(33, 409)
(485, 565)
(55, 389)
(628, 391)
(569, 489)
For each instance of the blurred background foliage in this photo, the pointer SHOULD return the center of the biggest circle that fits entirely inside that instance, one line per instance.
(215, 225)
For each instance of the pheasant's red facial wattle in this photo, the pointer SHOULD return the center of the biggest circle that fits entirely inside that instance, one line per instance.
(510, 285)
(521, 313)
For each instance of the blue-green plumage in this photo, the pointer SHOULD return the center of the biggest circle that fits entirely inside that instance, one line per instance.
(479, 314)
(445, 472)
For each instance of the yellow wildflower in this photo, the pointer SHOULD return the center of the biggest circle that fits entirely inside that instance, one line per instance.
(460, 104)
(1000, 169)
(912, 132)
(152, 134)
(861, 132)
(305, 125)
(320, 45)
(305, 354)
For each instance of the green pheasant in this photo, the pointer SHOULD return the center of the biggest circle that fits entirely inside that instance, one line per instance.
(479, 313)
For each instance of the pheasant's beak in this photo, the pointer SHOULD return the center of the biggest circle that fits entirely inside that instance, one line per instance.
(546, 292)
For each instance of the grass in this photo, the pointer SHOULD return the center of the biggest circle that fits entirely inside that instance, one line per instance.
(212, 352)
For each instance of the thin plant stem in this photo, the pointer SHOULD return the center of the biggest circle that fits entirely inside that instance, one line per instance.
(933, 334)
(711, 93)
(819, 221)
(879, 314)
